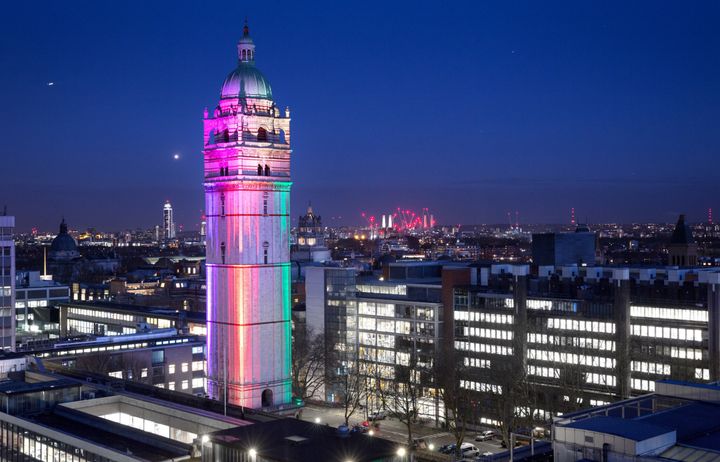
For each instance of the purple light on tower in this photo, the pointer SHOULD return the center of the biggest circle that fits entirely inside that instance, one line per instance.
(247, 202)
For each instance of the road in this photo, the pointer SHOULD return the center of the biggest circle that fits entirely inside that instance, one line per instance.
(394, 430)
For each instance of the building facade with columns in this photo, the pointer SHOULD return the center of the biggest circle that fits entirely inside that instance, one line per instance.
(247, 205)
(571, 337)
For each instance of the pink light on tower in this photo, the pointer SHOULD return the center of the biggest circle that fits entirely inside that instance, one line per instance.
(247, 202)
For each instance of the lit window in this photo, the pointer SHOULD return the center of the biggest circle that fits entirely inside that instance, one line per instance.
(171, 368)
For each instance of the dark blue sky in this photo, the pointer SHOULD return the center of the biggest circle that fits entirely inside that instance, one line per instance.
(469, 108)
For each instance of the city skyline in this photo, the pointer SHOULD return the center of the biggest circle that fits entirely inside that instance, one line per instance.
(537, 112)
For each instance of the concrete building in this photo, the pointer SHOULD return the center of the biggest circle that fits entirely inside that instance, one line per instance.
(676, 423)
(104, 318)
(383, 326)
(582, 336)
(36, 300)
(7, 283)
(247, 204)
(559, 249)
(162, 358)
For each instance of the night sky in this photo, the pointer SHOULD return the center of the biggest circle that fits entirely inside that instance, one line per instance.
(470, 108)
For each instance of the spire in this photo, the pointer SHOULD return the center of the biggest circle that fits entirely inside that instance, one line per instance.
(63, 227)
(309, 209)
(246, 47)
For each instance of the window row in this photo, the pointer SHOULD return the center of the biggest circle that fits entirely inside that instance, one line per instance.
(483, 348)
(674, 333)
(571, 358)
(476, 362)
(642, 384)
(487, 333)
(674, 314)
(481, 387)
(702, 374)
(601, 379)
(579, 342)
(581, 325)
(549, 372)
(650, 368)
(484, 317)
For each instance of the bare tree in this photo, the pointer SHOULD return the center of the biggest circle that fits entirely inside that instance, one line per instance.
(456, 400)
(352, 388)
(308, 364)
(402, 396)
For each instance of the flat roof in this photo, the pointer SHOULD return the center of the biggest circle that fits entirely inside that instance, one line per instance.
(632, 429)
(298, 441)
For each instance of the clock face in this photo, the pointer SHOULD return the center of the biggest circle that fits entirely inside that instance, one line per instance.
(301, 240)
(311, 241)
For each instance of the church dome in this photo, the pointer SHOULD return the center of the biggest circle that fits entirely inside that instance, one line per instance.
(246, 81)
(63, 242)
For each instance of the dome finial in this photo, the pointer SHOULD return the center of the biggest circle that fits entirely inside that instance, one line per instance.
(246, 29)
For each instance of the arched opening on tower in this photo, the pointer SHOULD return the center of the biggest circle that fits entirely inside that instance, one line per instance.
(282, 136)
(226, 135)
(267, 170)
(267, 398)
(262, 134)
(260, 169)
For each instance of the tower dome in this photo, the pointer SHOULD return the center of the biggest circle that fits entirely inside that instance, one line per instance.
(246, 81)
(63, 246)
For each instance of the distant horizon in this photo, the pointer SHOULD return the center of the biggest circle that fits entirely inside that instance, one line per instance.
(472, 109)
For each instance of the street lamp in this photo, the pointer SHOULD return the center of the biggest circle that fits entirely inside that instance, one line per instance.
(317, 420)
(401, 452)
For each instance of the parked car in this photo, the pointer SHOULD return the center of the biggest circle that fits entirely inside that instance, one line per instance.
(486, 435)
(469, 450)
(378, 415)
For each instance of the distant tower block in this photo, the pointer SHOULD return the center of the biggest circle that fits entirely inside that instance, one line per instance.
(710, 220)
(572, 216)
(247, 206)
(168, 221)
(383, 222)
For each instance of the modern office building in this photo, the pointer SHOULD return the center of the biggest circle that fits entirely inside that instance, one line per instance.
(247, 204)
(104, 318)
(676, 423)
(383, 326)
(168, 221)
(162, 358)
(559, 249)
(36, 303)
(7, 283)
(583, 335)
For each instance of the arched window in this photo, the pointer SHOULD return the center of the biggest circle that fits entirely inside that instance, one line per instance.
(260, 169)
(222, 205)
(267, 170)
(282, 136)
(222, 252)
(261, 134)
(212, 137)
(226, 135)
(265, 252)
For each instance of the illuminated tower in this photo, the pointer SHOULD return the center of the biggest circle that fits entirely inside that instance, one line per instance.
(168, 222)
(247, 201)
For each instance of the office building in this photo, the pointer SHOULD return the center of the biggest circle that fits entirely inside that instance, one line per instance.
(36, 300)
(559, 249)
(7, 283)
(581, 336)
(247, 205)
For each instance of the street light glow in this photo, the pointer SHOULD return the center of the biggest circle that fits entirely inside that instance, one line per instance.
(205, 439)
(401, 452)
(317, 419)
(252, 452)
